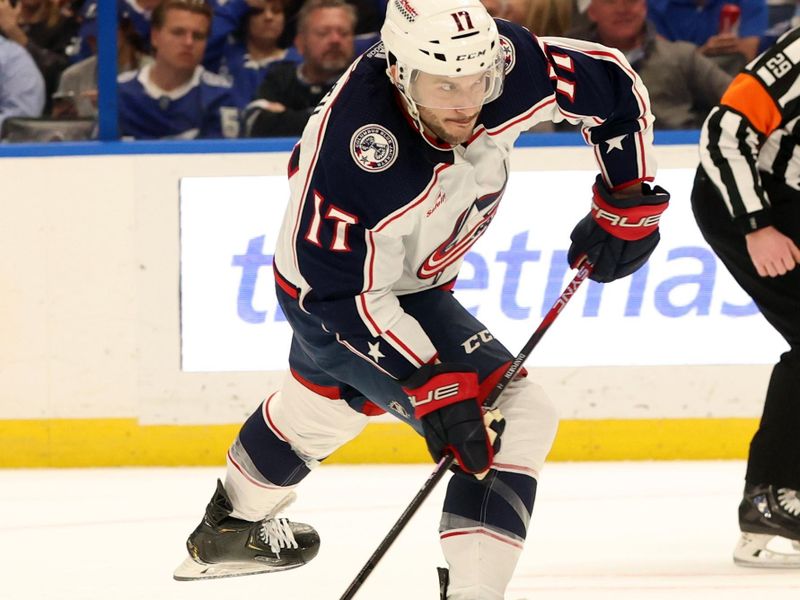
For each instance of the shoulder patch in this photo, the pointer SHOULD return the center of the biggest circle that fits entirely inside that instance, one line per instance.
(373, 147)
(509, 54)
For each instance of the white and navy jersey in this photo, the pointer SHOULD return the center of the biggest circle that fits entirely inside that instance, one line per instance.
(755, 130)
(377, 212)
(202, 108)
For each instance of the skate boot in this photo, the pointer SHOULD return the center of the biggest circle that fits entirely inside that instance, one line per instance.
(767, 514)
(223, 546)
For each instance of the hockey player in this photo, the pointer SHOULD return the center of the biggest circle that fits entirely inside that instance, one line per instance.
(746, 200)
(174, 97)
(397, 174)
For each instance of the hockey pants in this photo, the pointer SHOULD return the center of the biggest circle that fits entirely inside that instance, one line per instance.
(321, 406)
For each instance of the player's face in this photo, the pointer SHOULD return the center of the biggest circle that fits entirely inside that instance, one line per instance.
(619, 22)
(449, 106)
(327, 40)
(437, 91)
(453, 125)
(267, 24)
(181, 41)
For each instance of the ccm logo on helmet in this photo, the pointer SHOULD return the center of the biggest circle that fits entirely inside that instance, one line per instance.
(435, 394)
(471, 55)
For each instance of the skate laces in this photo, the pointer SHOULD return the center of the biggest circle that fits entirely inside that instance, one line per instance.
(278, 534)
(789, 501)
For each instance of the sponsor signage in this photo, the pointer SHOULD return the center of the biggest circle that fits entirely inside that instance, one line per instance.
(681, 308)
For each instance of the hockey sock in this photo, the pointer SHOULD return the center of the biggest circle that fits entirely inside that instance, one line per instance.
(483, 529)
(262, 469)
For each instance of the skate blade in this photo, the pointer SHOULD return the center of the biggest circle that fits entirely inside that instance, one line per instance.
(191, 570)
(752, 551)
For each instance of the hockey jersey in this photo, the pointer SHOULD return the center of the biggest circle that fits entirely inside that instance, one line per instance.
(377, 212)
(202, 108)
(754, 130)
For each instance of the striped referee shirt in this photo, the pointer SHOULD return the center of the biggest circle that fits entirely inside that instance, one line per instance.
(755, 130)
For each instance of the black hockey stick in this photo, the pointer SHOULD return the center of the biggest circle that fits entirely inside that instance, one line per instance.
(447, 461)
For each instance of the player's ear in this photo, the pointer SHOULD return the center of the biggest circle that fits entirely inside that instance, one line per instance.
(392, 72)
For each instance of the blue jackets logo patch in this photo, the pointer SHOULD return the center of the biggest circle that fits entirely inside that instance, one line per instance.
(374, 148)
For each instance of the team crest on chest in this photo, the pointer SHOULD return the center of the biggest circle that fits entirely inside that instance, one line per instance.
(509, 56)
(374, 148)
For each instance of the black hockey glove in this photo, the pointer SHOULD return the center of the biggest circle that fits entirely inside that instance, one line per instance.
(618, 236)
(445, 400)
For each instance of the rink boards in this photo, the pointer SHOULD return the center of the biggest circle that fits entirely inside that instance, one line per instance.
(140, 328)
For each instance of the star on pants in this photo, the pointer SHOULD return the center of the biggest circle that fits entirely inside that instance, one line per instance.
(375, 351)
(615, 143)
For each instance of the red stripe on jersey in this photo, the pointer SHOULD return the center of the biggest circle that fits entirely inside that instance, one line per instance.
(527, 115)
(331, 392)
(363, 301)
(400, 343)
(284, 284)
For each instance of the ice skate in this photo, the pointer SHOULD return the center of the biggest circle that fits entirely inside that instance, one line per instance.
(769, 519)
(223, 546)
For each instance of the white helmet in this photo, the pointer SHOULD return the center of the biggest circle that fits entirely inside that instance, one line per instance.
(447, 52)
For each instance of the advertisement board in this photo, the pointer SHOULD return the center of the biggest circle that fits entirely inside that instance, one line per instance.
(682, 308)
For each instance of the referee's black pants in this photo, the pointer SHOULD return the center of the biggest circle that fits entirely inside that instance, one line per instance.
(775, 449)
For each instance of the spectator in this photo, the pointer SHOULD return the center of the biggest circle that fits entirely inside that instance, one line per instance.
(21, 84)
(548, 17)
(290, 92)
(698, 22)
(174, 97)
(40, 27)
(683, 84)
(510, 10)
(244, 43)
(139, 12)
(77, 90)
(368, 18)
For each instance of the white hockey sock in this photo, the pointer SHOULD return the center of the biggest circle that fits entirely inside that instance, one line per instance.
(254, 501)
(481, 564)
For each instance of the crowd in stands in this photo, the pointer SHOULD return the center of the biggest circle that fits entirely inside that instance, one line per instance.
(257, 68)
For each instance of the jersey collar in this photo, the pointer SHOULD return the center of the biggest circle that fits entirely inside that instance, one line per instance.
(152, 90)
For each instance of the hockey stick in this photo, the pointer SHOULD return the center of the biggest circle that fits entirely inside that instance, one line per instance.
(447, 461)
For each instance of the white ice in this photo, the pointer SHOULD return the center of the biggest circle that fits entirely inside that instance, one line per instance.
(638, 530)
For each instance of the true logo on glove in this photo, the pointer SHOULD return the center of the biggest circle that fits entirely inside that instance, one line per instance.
(622, 220)
(436, 394)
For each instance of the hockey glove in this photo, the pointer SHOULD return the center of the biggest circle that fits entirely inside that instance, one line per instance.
(618, 235)
(445, 400)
